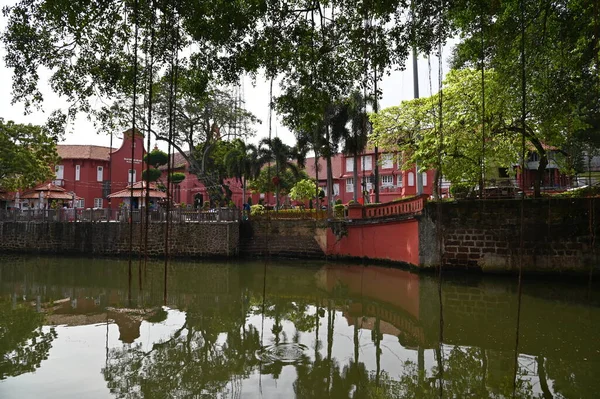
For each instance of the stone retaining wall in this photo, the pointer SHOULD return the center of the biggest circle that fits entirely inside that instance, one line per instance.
(284, 238)
(185, 239)
(559, 235)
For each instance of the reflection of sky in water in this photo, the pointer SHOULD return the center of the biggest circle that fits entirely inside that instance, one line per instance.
(557, 331)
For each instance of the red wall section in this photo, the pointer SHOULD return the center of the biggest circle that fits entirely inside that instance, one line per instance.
(397, 241)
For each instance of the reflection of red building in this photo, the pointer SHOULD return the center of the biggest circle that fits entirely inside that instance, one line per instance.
(93, 172)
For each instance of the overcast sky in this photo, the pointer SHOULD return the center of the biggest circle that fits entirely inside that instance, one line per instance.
(396, 87)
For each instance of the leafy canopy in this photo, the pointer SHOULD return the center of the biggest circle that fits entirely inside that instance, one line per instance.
(27, 157)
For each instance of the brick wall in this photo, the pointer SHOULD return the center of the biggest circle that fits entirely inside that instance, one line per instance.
(559, 235)
(283, 238)
(186, 239)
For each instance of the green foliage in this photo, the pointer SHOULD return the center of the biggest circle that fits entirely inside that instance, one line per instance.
(460, 149)
(177, 177)
(156, 158)
(303, 190)
(338, 201)
(460, 190)
(339, 211)
(27, 156)
(257, 210)
(583, 192)
(264, 182)
(151, 174)
(23, 343)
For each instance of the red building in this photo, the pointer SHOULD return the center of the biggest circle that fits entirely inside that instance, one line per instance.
(93, 172)
(394, 183)
(192, 191)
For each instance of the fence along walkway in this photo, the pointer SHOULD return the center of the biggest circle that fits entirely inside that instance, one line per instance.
(407, 206)
(119, 215)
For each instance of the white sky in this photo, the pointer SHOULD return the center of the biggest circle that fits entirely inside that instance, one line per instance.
(396, 87)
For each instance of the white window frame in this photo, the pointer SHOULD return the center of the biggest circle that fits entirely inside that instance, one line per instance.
(131, 176)
(98, 202)
(77, 172)
(350, 185)
(387, 161)
(350, 164)
(411, 179)
(59, 170)
(367, 162)
(80, 203)
(336, 189)
(424, 177)
(387, 180)
(100, 173)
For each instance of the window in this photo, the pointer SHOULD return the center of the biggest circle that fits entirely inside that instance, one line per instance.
(411, 179)
(336, 189)
(350, 164)
(131, 178)
(80, 203)
(97, 202)
(100, 173)
(387, 161)
(77, 172)
(367, 162)
(424, 174)
(350, 185)
(60, 172)
(399, 178)
(387, 180)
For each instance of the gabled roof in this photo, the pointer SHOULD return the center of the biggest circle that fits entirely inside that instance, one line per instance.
(76, 151)
(139, 191)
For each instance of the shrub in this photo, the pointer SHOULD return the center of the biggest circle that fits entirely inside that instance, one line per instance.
(460, 190)
(338, 211)
(351, 202)
(206, 206)
(257, 209)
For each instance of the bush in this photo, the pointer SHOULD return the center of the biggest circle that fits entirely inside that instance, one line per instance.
(351, 202)
(206, 206)
(338, 201)
(257, 209)
(460, 190)
(338, 211)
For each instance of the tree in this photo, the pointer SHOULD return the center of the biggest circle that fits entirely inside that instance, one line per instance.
(285, 158)
(23, 343)
(356, 137)
(303, 190)
(287, 179)
(243, 162)
(27, 157)
(413, 129)
(559, 71)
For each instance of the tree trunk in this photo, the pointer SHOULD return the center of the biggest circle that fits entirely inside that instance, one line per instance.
(355, 177)
(329, 177)
(436, 185)
(537, 183)
(317, 198)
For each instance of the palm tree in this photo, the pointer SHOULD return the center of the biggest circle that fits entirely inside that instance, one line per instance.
(355, 139)
(243, 162)
(284, 156)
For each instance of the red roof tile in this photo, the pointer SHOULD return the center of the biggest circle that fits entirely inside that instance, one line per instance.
(336, 165)
(70, 151)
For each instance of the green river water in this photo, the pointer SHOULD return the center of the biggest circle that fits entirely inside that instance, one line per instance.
(83, 328)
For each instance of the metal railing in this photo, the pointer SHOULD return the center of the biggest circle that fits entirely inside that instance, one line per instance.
(119, 215)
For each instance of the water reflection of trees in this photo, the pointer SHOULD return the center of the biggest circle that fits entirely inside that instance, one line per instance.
(215, 348)
(24, 344)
